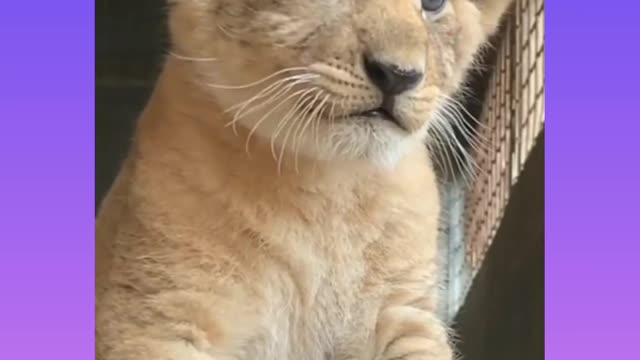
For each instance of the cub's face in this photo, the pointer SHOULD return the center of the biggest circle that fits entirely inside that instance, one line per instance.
(345, 79)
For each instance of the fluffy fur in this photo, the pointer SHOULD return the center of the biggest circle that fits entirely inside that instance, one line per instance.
(253, 218)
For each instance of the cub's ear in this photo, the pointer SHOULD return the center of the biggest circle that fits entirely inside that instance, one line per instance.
(492, 12)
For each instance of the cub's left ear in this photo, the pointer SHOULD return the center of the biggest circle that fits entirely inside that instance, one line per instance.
(492, 12)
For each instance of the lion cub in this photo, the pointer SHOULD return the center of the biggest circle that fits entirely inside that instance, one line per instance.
(278, 202)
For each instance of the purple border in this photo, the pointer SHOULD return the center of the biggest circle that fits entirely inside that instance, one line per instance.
(592, 180)
(47, 177)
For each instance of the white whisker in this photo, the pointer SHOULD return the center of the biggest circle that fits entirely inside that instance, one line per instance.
(465, 110)
(460, 120)
(280, 90)
(473, 139)
(264, 117)
(302, 100)
(446, 134)
(315, 116)
(469, 161)
(257, 82)
(189, 58)
(304, 112)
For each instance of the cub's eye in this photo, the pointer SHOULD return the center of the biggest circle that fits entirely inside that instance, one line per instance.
(433, 6)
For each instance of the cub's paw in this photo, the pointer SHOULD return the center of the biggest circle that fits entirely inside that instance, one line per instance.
(406, 333)
(418, 349)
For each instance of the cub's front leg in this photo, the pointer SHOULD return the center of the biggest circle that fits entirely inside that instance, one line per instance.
(409, 331)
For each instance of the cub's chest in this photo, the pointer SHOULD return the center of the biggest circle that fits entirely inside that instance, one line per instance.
(342, 265)
(350, 261)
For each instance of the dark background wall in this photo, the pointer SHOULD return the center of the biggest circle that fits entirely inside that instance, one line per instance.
(130, 42)
(503, 315)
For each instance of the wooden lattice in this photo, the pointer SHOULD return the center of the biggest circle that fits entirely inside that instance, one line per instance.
(512, 118)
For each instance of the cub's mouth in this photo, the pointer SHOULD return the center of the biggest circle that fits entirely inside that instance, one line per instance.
(379, 113)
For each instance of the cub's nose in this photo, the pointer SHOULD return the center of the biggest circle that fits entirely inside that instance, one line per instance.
(391, 79)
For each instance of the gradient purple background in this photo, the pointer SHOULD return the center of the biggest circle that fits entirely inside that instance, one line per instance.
(47, 180)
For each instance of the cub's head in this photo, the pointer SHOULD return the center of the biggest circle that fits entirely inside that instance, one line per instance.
(345, 79)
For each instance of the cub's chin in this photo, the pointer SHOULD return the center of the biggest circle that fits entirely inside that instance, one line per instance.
(381, 143)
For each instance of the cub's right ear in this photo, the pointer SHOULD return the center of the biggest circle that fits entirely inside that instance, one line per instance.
(492, 12)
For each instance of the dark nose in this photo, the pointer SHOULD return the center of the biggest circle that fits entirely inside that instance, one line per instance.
(390, 78)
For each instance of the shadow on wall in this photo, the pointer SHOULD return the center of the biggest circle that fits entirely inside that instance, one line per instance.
(503, 315)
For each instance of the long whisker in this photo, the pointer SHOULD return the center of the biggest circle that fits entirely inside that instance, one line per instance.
(301, 123)
(189, 58)
(469, 161)
(292, 81)
(286, 137)
(275, 87)
(336, 144)
(457, 116)
(264, 117)
(316, 115)
(317, 122)
(461, 106)
(473, 139)
(446, 133)
(262, 93)
(331, 120)
(280, 90)
(302, 100)
(229, 33)
(257, 82)
(450, 151)
(313, 117)
(436, 156)
(245, 104)
(435, 145)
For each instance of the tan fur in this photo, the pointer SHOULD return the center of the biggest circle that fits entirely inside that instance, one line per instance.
(238, 242)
